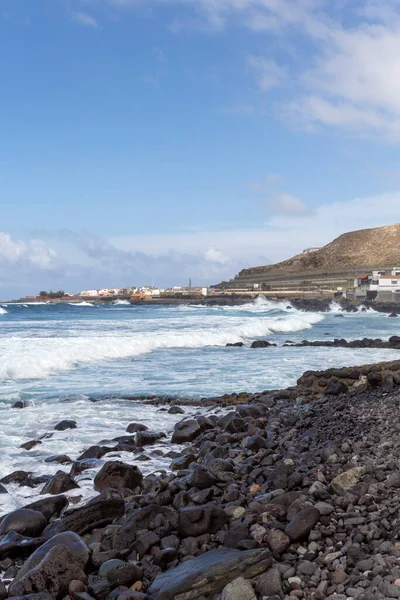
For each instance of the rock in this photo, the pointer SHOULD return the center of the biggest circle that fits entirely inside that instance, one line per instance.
(261, 344)
(99, 512)
(24, 521)
(375, 379)
(39, 596)
(209, 573)
(93, 452)
(53, 574)
(76, 546)
(31, 444)
(116, 474)
(347, 480)
(59, 484)
(393, 314)
(118, 572)
(186, 431)
(302, 523)
(146, 438)
(196, 520)
(14, 545)
(278, 541)
(200, 477)
(3, 489)
(50, 507)
(270, 584)
(61, 459)
(336, 387)
(176, 410)
(135, 427)
(145, 542)
(66, 424)
(239, 589)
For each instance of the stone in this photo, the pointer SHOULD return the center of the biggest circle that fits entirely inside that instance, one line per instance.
(14, 545)
(53, 574)
(60, 483)
(3, 490)
(196, 520)
(176, 410)
(186, 431)
(146, 438)
(239, 589)
(66, 424)
(346, 481)
(135, 427)
(116, 474)
(200, 477)
(23, 521)
(77, 547)
(50, 507)
(145, 542)
(209, 573)
(270, 584)
(118, 572)
(302, 523)
(99, 512)
(278, 541)
(336, 387)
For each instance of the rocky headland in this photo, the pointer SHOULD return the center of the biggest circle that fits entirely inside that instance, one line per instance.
(290, 494)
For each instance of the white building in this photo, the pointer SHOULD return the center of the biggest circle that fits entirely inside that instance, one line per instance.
(93, 293)
(379, 281)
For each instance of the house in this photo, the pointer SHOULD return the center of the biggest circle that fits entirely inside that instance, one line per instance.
(93, 293)
(379, 285)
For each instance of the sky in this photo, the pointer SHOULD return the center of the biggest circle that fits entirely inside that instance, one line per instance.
(155, 141)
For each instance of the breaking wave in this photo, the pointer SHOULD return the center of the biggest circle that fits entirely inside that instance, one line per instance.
(3, 311)
(33, 358)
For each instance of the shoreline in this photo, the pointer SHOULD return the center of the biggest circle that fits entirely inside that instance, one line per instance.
(291, 494)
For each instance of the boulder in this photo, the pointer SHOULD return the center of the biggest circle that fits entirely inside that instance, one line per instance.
(116, 474)
(209, 573)
(262, 344)
(270, 584)
(336, 387)
(118, 572)
(23, 521)
(14, 545)
(186, 431)
(50, 507)
(99, 512)
(59, 484)
(346, 481)
(146, 438)
(53, 574)
(302, 523)
(76, 546)
(135, 427)
(196, 520)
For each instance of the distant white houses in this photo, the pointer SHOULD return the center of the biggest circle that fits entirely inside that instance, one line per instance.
(91, 293)
(378, 282)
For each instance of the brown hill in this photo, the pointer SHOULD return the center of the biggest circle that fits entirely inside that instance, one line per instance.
(364, 248)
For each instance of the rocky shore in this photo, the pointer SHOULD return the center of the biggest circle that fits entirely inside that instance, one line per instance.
(291, 494)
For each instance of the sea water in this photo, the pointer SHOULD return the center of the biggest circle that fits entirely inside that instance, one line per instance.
(87, 362)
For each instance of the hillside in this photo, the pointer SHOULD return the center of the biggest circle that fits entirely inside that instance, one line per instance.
(367, 247)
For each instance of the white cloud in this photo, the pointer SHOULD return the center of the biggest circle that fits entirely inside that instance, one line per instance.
(282, 203)
(34, 252)
(216, 256)
(85, 19)
(269, 73)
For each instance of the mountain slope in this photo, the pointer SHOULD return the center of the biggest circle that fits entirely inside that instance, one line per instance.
(367, 247)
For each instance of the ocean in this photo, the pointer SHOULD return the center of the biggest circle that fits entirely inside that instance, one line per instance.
(93, 363)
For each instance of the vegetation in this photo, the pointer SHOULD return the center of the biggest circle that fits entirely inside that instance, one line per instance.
(51, 294)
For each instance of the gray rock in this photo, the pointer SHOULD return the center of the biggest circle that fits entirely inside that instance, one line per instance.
(24, 521)
(59, 484)
(118, 572)
(209, 573)
(116, 474)
(196, 520)
(270, 584)
(66, 424)
(302, 523)
(347, 480)
(239, 589)
(186, 431)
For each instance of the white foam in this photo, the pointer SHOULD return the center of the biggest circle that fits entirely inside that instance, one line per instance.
(336, 308)
(32, 357)
(121, 303)
(80, 303)
(3, 311)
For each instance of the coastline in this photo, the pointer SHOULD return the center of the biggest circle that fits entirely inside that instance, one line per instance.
(276, 498)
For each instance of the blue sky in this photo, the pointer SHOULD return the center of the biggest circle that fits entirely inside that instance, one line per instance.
(170, 139)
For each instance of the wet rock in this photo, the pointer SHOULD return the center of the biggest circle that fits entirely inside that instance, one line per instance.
(38, 596)
(53, 574)
(50, 507)
(19, 477)
(31, 444)
(200, 477)
(93, 452)
(262, 344)
(176, 410)
(239, 589)
(23, 521)
(59, 484)
(61, 459)
(14, 545)
(145, 542)
(118, 475)
(146, 438)
(186, 431)
(302, 523)
(66, 424)
(3, 489)
(99, 512)
(135, 427)
(209, 573)
(196, 520)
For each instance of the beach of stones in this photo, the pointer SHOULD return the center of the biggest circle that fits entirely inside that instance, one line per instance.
(280, 495)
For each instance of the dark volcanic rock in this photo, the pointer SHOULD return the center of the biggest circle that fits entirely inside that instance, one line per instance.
(66, 424)
(24, 521)
(52, 574)
(116, 474)
(196, 520)
(135, 427)
(118, 572)
(262, 344)
(15, 545)
(302, 523)
(335, 387)
(209, 573)
(186, 431)
(99, 512)
(146, 438)
(59, 484)
(50, 507)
